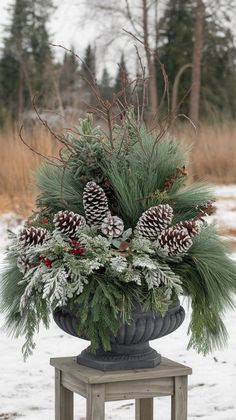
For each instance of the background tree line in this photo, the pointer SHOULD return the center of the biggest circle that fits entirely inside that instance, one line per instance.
(193, 39)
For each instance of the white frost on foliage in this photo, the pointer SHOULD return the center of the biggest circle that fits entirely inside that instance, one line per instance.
(118, 264)
(144, 262)
(55, 286)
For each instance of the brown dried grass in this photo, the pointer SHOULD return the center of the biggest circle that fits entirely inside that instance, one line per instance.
(213, 158)
(17, 164)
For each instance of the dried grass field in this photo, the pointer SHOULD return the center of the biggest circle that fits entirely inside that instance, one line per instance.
(212, 158)
(17, 164)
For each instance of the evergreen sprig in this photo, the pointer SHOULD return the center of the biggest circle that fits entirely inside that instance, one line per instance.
(209, 279)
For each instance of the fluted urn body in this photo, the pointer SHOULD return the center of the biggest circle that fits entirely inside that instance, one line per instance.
(130, 347)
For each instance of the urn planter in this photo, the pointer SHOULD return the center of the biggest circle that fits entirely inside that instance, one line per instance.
(130, 347)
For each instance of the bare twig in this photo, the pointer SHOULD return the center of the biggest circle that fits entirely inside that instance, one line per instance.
(36, 151)
(45, 124)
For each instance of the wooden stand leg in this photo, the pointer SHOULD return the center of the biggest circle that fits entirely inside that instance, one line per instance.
(144, 409)
(63, 400)
(179, 399)
(95, 402)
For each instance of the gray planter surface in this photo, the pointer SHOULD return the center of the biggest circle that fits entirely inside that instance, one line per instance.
(130, 347)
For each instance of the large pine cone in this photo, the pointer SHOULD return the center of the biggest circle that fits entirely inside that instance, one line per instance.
(95, 204)
(193, 227)
(175, 241)
(112, 226)
(154, 221)
(68, 222)
(32, 236)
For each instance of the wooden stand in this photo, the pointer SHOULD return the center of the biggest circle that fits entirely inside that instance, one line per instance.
(169, 378)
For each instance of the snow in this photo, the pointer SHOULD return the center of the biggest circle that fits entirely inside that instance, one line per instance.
(27, 389)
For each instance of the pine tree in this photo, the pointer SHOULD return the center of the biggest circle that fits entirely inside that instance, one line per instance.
(39, 45)
(106, 89)
(24, 65)
(88, 74)
(69, 79)
(88, 69)
(218, 93)
(176, 42)
(122, 76)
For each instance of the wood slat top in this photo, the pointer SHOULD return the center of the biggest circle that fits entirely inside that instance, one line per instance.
(167, 368)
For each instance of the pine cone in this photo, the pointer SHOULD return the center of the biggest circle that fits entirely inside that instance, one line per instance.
(206, 209)
(112, 226)
(175, 241)
(95, 204)
(68, 222)
(33, 236)
(193, 227)
(154, 221)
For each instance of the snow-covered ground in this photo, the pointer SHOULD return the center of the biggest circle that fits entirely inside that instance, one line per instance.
(26, 389)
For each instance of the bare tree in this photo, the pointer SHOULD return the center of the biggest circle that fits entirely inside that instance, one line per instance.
(197, 57)
(150, 62)
(140, 19)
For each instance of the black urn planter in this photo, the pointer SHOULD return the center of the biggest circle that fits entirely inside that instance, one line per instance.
(130, 348)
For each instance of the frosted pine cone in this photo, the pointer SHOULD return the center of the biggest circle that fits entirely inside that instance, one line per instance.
(95, 204)
(154, 221)
(33, 236)
(193, 227)
(68, 222)
(112, 226)
(175, 241)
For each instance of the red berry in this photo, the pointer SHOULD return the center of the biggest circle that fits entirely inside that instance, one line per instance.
(78, 251)
(48, 262)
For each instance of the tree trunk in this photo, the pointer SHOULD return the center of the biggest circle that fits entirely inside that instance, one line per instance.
(174, 104)
(20, 92)
(197, 57)
(151, 65)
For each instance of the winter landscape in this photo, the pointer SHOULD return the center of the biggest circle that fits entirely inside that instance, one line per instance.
(27, 389)
(137, 70)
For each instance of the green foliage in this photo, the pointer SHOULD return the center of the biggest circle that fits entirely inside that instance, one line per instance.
(11, 292)
(36, 310)
(138, 171)
(209, 278)
(101, 307)
(57, 189)
(62, 187)
(185, 200)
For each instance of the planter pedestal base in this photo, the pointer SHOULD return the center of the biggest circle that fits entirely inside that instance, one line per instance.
(141, 385)
(121, 357)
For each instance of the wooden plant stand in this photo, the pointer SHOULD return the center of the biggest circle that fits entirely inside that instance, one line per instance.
(169, 378)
